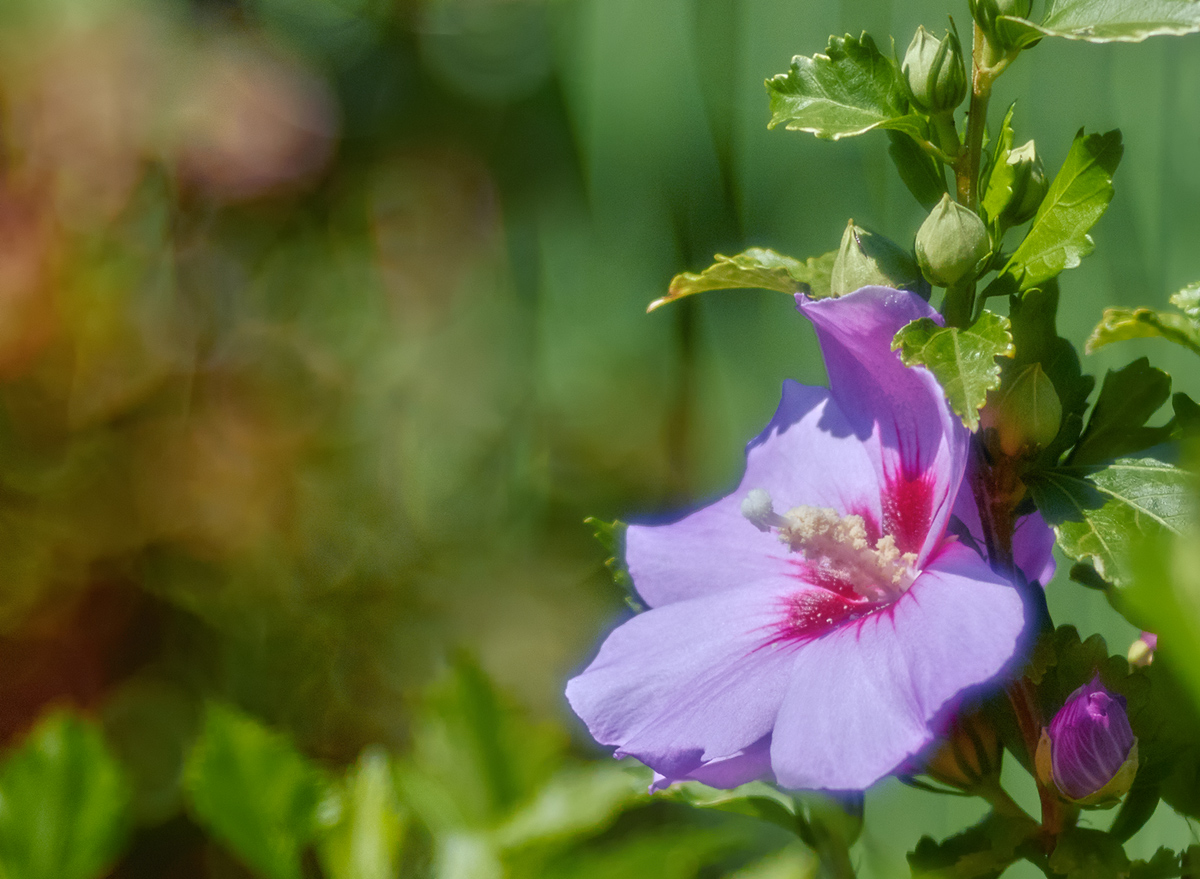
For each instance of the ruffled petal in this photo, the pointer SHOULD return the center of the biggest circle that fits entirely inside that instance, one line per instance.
(864, 697)
(903, 412)
(749, 764)
(689, 683)
(807, 455)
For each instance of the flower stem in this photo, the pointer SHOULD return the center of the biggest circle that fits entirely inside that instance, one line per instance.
(966, 169)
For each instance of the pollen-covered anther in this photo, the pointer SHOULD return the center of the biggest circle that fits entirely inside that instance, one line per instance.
(840, 546)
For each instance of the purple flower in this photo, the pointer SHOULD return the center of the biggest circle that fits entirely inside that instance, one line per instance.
(1090, 747)
(811, 626)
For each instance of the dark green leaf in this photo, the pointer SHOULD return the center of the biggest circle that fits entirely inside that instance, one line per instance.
(1100, 514)
(1187, 413)
(254, 791)
(963, 361)
(1165, 864)
(1082, 853)
(1135, 811)
(924, 175)
(1078, 197)
(756, 268)
(1119, 324)
(612, 538)
(1116, 428)
(850, 90)
(1126, 21)
(980, 852)
(63, 804)
(364, 840)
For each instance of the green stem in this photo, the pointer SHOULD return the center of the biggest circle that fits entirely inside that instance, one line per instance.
(956, 307)
(966, 169)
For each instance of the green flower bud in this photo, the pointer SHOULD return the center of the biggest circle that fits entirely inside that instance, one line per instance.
(866, 259)
(934, 71)
(951, 243)
(1026, 415)
(985, 13)
(1029, 184)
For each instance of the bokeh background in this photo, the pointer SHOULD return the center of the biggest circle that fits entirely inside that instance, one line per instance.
(322, 329)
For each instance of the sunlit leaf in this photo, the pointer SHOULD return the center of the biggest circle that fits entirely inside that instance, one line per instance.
(1108, 21)
(849, 90)
(1119, 324)
(756, 268)
(1187, 300)
(63, 804)
(963, 361)
(1001, 175)
(1077, 198)
(1101, 514)
(364, 842)
(254, 791)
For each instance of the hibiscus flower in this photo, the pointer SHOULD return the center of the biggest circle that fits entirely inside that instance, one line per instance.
(814, 626)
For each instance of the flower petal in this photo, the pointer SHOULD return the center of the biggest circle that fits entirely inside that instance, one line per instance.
(807, 455)
(689, 683)
(865, 697)
(922, 444)
(749, 764)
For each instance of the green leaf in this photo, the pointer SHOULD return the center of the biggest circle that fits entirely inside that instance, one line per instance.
(254, 791)
(612, 537)
(1119, 324)
(576, 801)
(850, 90)
(756, 800)
(756, 268)
(924, 175)
(1001, 175)
(1100, 514)
(63, 804)
(1077, 198)
(1135, 811)
(1187, 300)
(1108, 21)
(1083, 853)
(963, 361)
(1128, 398)
(364, 841)
(1163, 865)
(984, 850)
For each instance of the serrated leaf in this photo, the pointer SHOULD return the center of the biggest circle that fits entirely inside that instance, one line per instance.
(984, 850)
(1077, 198)
(364, 841)
(1119, 324)
(1187, 300)
(1099, 514)
(611, 536)
(63, 804)
(756, 268)
(924, 175)
(963, 361)
(1165, 864)
(1109, 21)
(851, 89)
(1001, 175)
(1116, 428)
(1083, 853)
(254, 791)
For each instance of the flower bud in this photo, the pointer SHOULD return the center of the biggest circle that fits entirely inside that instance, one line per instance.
(1141, 651)
(1029, 184)
(951, 243)
(934, 71)
(969, 755)
(866, 259)
(985, 13)
(1026, 415)
(1089, 753)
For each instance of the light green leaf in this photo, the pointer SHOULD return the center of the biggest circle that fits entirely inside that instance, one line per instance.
(1000, 175)
(1078, 197)
(1119, 324)
(963, 361)
(756, 800)
(1187, 300)
(756, 268)
(850, 90)
(1108, 21)
(574, 802)
(364, 841)
(1100, 515)
(63, 804)
(254, 791)
(1116, 428)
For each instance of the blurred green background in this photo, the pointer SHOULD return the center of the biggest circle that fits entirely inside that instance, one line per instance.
(322, 328)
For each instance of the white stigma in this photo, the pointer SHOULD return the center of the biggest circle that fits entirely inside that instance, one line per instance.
(838, 545)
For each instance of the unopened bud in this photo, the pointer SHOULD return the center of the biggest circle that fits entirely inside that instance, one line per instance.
(985, 13)
(951, 243)
(968, 757)
(1029, 184)
(934, 71)
(866, 259)
(1026, 415)
(1141, 651)
(1089, 752)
